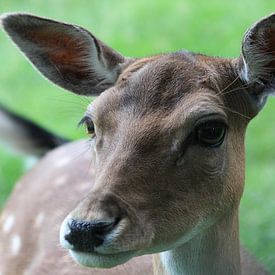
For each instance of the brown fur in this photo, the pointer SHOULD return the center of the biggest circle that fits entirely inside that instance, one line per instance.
(170, 192)
(149, 119)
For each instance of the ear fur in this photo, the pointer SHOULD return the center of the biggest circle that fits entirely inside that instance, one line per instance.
(257, 63)
(68, 55)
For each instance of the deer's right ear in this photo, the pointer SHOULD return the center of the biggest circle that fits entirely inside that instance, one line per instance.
(68, 55)
(257, 62)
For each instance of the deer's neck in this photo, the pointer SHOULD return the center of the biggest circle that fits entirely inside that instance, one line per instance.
(213, 252)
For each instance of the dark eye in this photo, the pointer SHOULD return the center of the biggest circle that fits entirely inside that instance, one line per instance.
(211, 133)
(90, 129)
(87, 121)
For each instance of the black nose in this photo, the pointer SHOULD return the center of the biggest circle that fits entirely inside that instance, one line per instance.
(84, 236)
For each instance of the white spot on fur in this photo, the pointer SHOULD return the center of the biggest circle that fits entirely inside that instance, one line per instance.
(84, 186)
(61, 180)
(2, 217)
(39, 220)
(15, 245)
(62, 162)
(8, 224)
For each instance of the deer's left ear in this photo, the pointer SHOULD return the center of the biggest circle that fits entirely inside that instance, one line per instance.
(257, 62)
(67, 55)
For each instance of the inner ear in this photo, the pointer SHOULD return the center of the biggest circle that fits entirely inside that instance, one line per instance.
(257, 62)
(68, 55)
(258, 52)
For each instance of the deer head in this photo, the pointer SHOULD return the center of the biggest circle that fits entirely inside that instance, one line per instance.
(167, 134)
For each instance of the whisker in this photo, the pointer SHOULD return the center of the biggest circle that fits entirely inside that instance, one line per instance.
(238, 88)
(230, 84)
(234, 112)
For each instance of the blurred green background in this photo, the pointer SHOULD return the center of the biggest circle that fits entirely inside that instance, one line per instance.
(140, 28)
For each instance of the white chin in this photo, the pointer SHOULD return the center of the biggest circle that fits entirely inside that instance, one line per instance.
(101, 261)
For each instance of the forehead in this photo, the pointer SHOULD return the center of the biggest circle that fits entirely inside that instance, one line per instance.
(157, 85)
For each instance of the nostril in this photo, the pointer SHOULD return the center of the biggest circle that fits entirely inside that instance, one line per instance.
(93, 227)
(85, 235)
(70, 238)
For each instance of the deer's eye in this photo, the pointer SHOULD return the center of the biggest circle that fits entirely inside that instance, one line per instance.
(211, 133)
(90, 129)
(89, 124)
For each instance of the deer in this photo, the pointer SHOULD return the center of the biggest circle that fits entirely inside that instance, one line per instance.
(156, 188)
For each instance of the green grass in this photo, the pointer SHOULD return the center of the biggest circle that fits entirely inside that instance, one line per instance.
(140, 28)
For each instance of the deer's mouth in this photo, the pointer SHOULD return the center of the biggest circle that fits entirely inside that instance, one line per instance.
(118, 246)
(95, 259)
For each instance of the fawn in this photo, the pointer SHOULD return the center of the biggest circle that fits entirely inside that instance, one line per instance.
(167, 153)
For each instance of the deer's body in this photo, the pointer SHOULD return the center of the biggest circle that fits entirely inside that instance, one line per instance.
(166, 171)
(23, 253)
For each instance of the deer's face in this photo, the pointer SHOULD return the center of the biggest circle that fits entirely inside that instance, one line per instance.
(167, 135)
(162, 138)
